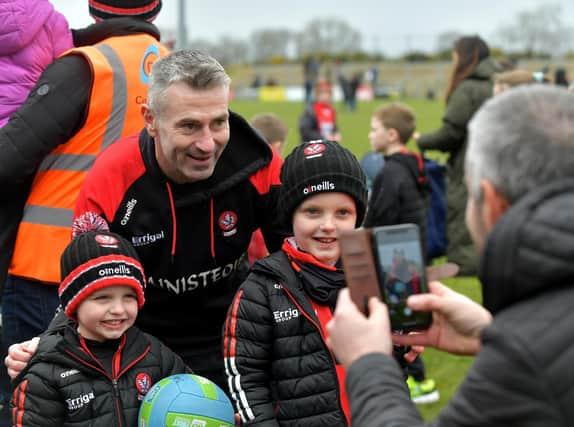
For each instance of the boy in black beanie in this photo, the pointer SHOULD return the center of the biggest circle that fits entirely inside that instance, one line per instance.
(98, 368)
(279, 368)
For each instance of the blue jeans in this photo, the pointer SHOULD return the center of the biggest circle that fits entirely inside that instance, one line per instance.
(27, 309)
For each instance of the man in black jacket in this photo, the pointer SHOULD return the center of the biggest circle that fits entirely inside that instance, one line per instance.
(520, 212)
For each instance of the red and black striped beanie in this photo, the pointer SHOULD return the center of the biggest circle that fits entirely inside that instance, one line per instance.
(95, 260)
(318, 167)
(142, 9)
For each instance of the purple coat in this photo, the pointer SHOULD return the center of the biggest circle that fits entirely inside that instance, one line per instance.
(32, 35)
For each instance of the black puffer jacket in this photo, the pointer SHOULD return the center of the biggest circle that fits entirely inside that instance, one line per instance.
(523, 374)
(64, 386)
(401, 193)
(279, 367)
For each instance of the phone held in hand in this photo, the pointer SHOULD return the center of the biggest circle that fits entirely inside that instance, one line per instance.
(386, 262)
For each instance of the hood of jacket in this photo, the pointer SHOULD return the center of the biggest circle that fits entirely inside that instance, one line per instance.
(245, 153)
(20, 21)
(485, 69)
(414, 163)
(530, 249)
(113, 27)
(278, 267)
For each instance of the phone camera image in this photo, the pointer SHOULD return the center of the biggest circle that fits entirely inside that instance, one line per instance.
(401, 273)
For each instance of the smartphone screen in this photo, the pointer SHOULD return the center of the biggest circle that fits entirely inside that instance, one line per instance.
(401, 273)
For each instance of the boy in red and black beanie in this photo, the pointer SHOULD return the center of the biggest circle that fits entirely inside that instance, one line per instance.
(96, 369)
(279, 367)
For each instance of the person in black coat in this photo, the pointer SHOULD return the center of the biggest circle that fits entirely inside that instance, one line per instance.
(401, 195)
(520, 175)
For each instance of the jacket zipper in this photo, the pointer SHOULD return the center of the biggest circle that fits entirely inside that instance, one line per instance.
(114, 378)
(308, 317)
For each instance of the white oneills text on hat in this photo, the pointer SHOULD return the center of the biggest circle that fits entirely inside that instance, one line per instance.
(324, 186)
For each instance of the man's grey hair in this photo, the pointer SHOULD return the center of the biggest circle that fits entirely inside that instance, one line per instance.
(520, 140)
(196, 69)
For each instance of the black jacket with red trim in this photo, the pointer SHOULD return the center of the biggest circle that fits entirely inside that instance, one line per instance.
(279, 368)
(64, 386)
(401, 193)
(191, 238)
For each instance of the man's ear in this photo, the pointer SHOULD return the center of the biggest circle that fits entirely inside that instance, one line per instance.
(149, 120)
(495, 203)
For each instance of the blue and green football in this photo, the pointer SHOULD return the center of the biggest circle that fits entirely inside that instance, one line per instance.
(186, 400)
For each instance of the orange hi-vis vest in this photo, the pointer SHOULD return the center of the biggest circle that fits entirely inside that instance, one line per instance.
(120, 68)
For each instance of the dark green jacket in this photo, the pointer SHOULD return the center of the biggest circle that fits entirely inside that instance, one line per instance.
(464, 101)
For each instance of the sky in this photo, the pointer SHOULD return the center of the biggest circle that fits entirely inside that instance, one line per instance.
(388, 26)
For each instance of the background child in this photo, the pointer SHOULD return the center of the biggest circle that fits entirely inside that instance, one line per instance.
(319, 120)
(400, 190)
(400, 195)
(274, 130)
(278, 365)
(96, 369)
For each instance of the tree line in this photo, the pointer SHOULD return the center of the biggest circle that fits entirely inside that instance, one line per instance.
(537, 33)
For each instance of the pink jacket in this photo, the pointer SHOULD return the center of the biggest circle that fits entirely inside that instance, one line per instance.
(32, 35)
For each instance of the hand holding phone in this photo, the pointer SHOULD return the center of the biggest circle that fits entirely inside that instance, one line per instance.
(387, 262)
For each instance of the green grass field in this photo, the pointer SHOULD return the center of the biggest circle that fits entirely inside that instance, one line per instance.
(446, 369)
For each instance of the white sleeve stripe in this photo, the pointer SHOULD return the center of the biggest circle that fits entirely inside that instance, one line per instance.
(237, 393)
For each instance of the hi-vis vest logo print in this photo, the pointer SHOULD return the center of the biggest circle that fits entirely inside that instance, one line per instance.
(150, 56)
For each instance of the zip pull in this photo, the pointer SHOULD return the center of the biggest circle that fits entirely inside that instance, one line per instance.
(115, 387)
(173, 221)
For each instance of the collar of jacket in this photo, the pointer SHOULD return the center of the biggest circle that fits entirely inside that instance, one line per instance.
(277, 267)
(245, 153)
(529, 251)
(135, 345)
(113, 27)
